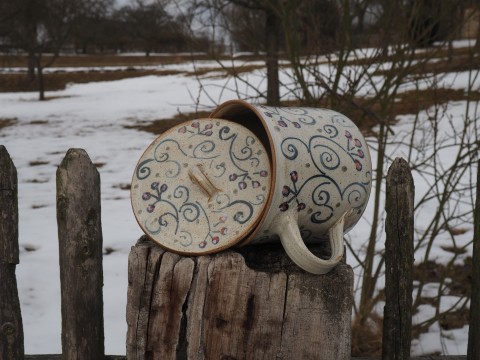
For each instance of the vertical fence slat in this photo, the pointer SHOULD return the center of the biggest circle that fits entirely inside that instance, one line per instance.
(80, 249)
(11, 328)
(397, 321)
(473, 351)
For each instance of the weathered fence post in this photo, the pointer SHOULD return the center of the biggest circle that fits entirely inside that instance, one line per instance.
(473, 352)
(397, 323)
(80, 249)
(11, 328)
(250, 303)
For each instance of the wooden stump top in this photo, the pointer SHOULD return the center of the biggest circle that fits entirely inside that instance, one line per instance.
(253, 303)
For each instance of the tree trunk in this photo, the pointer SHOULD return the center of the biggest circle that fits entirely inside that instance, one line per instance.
(41, 84)
(31, 65)
(271, 47)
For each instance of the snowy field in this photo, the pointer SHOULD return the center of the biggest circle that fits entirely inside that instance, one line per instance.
(94, 117)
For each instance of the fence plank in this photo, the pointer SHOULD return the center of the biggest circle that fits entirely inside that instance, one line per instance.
(80, 249)
(397, 321)
(473, 351)
(11, 328)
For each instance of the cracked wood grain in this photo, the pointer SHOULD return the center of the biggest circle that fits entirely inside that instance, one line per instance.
(11, 327)
(397, 323)
(218, 307)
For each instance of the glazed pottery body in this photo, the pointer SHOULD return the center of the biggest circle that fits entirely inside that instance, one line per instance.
(321, 176)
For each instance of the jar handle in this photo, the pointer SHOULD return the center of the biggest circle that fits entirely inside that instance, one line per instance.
(287, 229)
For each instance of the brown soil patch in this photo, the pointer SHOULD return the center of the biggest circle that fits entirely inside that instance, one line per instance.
(159, 126)
(7, 122)
(59, 80)
(38, 163)
(226, 71)
(367, 338)
(433, 60)
(460, 275)
(113, 60)
(409, 102)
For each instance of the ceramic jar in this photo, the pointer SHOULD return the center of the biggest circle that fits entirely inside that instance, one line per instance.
(252, 174)
(321, 177)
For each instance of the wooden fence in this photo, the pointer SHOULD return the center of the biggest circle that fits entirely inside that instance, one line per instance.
(80, 244)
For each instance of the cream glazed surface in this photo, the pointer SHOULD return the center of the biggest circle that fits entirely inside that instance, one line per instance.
(202, 186)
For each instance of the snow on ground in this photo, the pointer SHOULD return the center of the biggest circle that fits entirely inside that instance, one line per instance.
(93, 117)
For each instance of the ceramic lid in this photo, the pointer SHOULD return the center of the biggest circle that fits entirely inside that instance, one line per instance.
(202, 186)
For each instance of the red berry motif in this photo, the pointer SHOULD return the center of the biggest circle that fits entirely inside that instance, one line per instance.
(297, 125)
(146, 196)
(202, 244)
(348, 135)
(163, 188)
(360, 153)
(263, 173)
(232, 177)
(195, 124)
(242, 185)
(208, 126)
(224, 231)
(154, 185)
(215, 240)
(150, 208)
(182, 130)
(294, 176)
(208, 133)
(283, 206)
(357, 143)
(286, 191)
(358, 165)
(282, 123)
(255, 184)
(301, 206)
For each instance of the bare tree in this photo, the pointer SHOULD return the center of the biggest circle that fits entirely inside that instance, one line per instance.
(44, 26)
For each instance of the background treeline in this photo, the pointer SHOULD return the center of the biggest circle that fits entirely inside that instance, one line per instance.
(92, 26)
(274, 29)
(103, 26)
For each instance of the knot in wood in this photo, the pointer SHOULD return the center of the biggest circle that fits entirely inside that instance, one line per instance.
(8, 329)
